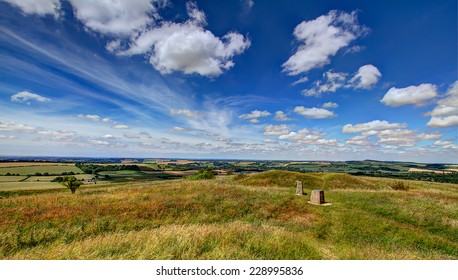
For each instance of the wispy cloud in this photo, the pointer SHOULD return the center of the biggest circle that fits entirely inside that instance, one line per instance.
(138, 92)
(185, 112)
(365, 78)
(41, 8)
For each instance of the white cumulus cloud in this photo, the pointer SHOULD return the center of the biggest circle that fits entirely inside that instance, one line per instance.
(443, 121)
(314, 113)
(254, 115)
(390, 135)
(446, 144)
(330, 105)
(120, 126)
(322, 38)
(108, 136)
(416, 95)
(12, 126)
(371, 126)
(270, 141)
(276, 130)
(118, 17)
(359, 140)
(310, 137)
(179, 128)
(187, 47)
(366, 77)
(280, 116)
(425, 136)
(445, 114)
(94, 118)
(25, 96)
(58, 135)
(98, 142)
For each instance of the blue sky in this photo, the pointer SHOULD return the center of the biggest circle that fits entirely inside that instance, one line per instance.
(294, 80)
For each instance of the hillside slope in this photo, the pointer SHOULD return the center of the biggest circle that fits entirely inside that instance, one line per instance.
(256, 217)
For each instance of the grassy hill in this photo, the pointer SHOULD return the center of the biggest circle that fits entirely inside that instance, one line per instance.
(241, 217)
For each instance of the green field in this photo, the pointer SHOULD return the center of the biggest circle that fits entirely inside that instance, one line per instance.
(133, 175)
(5, 179)
(50, 178)
(240, 217)
(23, 186)
(31, 170)
(22, 183)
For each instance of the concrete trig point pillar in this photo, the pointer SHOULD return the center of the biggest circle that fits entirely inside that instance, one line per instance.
(299, 190)
(317, 197)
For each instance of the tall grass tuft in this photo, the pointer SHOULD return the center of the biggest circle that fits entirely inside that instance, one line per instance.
(399, 186)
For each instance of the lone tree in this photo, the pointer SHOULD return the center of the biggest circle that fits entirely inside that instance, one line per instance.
(71, 183)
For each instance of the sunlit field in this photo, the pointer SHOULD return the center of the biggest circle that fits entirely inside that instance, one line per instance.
(234, 217)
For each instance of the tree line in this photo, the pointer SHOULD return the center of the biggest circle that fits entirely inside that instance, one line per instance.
(90, 168)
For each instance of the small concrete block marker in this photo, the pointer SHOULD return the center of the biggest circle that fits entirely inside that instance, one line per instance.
(299, 190)
(317, 198)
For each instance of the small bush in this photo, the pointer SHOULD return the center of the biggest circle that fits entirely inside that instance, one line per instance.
(399, 185)
(71, 183)
(203, 174)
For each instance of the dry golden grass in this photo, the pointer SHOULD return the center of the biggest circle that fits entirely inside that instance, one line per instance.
(224, 219)
(429, 170)
(208, 241)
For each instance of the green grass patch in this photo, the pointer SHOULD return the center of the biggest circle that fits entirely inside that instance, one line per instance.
(132, 175)
(4, 179)
(326, 181)
(17, 186)
(284, 179)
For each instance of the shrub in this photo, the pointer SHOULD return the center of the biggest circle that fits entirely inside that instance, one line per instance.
(203, 174)
(399, 185)
(71, 182)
